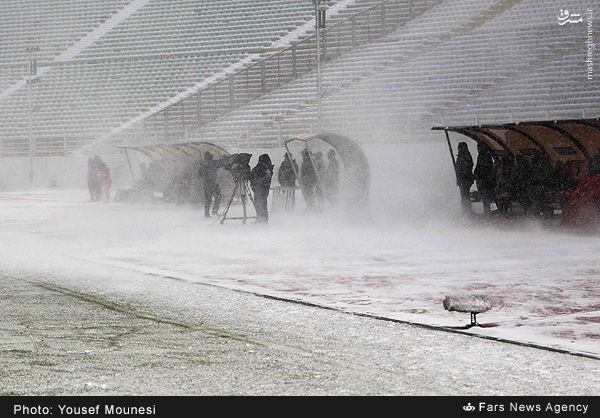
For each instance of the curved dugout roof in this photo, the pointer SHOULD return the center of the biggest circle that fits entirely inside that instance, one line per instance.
(168, 155)
(564, 140)
(356, 166)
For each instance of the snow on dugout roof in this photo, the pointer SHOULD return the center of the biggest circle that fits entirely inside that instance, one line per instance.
(167, 155)
(564, 140)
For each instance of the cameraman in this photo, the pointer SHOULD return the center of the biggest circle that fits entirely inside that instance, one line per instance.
(260, 181)
(238, 165)
(208, 171)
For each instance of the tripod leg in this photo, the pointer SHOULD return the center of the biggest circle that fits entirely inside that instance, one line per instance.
(249, 193)
(224, 215)
(242, 185)
(244, 208)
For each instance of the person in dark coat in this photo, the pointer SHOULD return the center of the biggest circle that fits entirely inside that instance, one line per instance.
(182, 183)
(331, 178)
(308, 180)
(464, 175)
(557, 182)
(208, 172)
(594, 165)
(540, 184)
(484, 176)
(93, 179)
(522, 179)
(260, 181)
(504, 187)
(287, 172)
(318, 157)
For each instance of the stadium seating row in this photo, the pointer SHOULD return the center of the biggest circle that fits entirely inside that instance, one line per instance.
(532, 68)
(461, 61)
(65, 93)
(49, 25)
(68, 97)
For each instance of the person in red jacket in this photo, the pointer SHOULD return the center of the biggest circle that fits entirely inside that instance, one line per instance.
(104, 177)
(584, 203)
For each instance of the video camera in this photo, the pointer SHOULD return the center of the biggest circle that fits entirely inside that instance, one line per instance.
(238, 165)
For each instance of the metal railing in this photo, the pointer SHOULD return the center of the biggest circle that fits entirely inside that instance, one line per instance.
(187, 117)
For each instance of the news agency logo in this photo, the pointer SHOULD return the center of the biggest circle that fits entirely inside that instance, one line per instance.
(468, 407)
(565, 17)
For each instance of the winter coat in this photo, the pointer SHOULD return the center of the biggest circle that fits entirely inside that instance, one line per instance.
(208, 170)
(260, 176)
(464, 167)
(308, 176)
(594, 167)
(522, 175)
(331, 180)
(484, 171)
(104, 175)
(320, 167)
(286, 174)
(584, 204)
(92, 173)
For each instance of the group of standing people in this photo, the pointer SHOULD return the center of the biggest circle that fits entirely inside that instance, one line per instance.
(504, 179)
(318, 182)
(260, 182)
(99, 179)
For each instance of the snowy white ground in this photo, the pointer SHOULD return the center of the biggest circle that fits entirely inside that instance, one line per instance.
(544, 284)
(400, 261)
(134, 334)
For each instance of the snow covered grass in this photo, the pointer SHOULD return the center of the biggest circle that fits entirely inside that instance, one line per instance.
(543, 284)
(400, 263)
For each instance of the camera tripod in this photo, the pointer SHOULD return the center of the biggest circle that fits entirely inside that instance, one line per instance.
(244, 188)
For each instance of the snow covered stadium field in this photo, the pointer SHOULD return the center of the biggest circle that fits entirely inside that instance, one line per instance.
(544, 284)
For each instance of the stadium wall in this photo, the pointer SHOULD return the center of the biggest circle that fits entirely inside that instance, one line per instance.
(53, 171)
(65, 172)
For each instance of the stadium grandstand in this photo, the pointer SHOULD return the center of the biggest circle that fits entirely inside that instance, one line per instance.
(86, 75)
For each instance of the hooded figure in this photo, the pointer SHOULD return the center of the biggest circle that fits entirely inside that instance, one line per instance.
(93, 178)
(540, 182)
(208, 172)
(464, 174)
(308, 180)
(485, 176)
(522, 182)
(504, 183)
(104, 178)
(287, 172)
(318, 156)
(331, 177)
(260, 181)
(594, 165)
